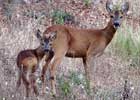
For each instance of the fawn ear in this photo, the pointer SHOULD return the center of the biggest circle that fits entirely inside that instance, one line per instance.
(109, 6)
(53, 35)
(38, 35)
(125, 7)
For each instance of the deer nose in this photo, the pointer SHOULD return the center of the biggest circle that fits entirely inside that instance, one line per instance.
(116, 24)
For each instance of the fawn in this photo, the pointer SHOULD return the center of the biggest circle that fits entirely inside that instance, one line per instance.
(28, 61)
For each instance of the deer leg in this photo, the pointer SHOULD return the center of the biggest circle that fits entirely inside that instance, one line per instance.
(93, 52)
(89, 65)
(87, 73)
(45, 67)
(56, 60)
(86, 68)
(59, 53)
(52, 75)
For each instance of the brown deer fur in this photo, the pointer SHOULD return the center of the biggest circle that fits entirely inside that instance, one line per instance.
(83, 43)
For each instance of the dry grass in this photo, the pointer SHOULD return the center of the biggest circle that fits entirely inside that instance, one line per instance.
(115, 66)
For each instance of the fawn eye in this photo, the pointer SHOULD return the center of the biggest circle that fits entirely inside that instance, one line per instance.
(112, 16)
(121, 16)
(42, 43)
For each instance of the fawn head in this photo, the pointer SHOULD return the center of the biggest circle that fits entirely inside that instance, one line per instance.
(117, 13)
(46, 43)
(43, 43)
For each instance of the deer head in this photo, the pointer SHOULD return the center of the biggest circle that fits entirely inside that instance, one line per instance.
(117, 13)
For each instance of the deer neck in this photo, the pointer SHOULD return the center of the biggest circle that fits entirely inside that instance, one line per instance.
(109, 31)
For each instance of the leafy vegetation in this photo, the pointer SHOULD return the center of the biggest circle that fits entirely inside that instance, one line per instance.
(74, 79)
(60, 17)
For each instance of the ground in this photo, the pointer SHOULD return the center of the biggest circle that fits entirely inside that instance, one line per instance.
(114, 75)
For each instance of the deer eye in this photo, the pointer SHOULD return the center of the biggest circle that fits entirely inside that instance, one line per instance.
(112, 16)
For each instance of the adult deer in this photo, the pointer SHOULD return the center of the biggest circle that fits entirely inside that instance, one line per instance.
(28, 61)
(83, 43)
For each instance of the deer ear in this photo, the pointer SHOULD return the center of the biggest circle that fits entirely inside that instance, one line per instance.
(38, 35)
(125, 7)
(109, 6)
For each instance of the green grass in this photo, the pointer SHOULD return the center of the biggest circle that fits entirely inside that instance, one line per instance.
(8, 10)
(73, 80)
(87, 2)
(64, 86)
(78, 79)
(126, 44)
(59, 16)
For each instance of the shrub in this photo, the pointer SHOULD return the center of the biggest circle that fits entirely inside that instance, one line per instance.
(126, 44)
(64, 86)
(87, 2)
(60, 17)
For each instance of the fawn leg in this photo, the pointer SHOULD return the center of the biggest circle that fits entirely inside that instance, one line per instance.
(33, 81)
(19, 79)
(26, 83)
